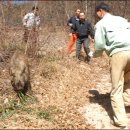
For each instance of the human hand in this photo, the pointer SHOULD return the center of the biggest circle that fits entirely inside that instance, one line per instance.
(70, 24)
(92, 40)
(90, 54)
(70, 34)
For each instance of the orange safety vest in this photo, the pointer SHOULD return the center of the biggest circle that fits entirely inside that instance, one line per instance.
(72, 41)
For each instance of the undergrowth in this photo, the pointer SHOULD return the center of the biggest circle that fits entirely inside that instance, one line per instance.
(12, 107)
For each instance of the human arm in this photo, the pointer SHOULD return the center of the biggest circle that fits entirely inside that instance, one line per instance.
(25, 19)
(99, 40)
(38, 21)
(69, 22)
(91, 31)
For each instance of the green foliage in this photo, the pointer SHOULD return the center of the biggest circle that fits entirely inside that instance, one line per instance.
(44, 114)
(47, 113)
(14, 106)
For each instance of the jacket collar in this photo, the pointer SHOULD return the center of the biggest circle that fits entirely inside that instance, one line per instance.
(82, 21)
(106, 15)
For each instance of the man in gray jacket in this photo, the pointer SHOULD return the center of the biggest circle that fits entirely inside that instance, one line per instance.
(112, 35)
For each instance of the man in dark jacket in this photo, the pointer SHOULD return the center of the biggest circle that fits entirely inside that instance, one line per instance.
(73, 19)
(73, 37)
(83, 29)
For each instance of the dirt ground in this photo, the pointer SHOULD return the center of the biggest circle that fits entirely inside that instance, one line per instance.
(65, 94)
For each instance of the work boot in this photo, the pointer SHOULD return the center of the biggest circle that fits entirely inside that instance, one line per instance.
(88, 62)
(120, 127)
(78, 60)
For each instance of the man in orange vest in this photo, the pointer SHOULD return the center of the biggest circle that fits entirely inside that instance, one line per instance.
(73, 36)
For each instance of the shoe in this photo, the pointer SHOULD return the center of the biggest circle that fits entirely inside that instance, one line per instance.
(127, 109)
(120, 127)
(78, 60)
(88, 62)
(124, 127)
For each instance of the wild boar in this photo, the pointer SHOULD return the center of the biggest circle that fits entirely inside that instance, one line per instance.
(19, 72)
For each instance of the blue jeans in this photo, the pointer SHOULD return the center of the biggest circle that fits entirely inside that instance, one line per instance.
(85, 43)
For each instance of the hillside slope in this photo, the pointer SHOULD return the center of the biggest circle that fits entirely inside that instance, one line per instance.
(65, 94)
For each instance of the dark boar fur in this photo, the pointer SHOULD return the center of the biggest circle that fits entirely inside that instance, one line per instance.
(19, 72)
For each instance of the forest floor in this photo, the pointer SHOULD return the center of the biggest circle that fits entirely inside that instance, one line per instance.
(65, 94)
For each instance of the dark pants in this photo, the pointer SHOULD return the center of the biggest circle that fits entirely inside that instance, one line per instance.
(85, 43)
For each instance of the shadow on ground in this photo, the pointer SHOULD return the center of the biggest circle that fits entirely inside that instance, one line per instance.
(103, 100)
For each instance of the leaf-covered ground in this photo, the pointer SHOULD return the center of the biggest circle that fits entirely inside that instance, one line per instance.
(65, 93)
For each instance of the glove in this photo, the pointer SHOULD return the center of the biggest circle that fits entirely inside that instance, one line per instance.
(70, 34)
(90, 54)
(70, 24)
